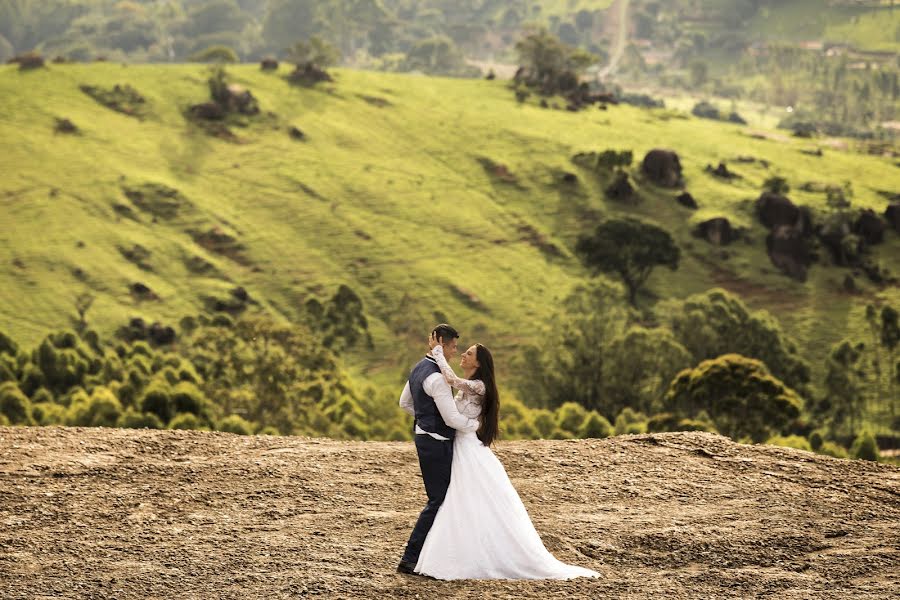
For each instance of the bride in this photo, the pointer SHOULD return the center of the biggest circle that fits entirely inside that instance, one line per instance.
(482, 530)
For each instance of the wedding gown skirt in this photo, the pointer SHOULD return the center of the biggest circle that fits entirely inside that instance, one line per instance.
(482, 530)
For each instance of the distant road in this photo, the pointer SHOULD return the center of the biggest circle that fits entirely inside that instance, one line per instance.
(621, 39)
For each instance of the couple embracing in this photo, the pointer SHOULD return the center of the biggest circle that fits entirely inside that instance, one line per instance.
(474, 525)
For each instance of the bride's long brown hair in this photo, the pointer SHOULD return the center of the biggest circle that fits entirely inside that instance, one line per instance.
(490, 422)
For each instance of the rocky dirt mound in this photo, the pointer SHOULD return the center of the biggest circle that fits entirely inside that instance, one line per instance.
(183, 514)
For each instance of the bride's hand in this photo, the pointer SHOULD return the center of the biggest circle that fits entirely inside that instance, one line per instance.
(432, 341)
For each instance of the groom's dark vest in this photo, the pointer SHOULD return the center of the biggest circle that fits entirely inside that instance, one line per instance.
(427, 415)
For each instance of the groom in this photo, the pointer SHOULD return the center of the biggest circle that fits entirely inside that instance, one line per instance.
(428, 398)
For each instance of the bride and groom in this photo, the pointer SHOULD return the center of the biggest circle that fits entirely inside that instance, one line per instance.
(474, 525)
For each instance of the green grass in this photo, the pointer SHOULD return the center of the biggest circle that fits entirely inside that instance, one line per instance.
(391, 200)
(865, 27)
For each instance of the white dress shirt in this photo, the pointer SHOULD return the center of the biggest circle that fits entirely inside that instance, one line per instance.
(437, 387)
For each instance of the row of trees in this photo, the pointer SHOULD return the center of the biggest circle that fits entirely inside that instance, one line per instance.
(427, 31)
(706, 362)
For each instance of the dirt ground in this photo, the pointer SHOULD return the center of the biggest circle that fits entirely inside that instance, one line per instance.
(106, 513)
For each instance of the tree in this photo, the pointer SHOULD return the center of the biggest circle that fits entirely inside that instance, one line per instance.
(740, 395)
(865, 447)
(699, 72)
(717, 322)
(314, 51)
(83, 304)
(216, 54)
(289, 20)
(549, 64)
(569, 364)
(436, 55)
(629, 248)
(638, 366)
(777, 185)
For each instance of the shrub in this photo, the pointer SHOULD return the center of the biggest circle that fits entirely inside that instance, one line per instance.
(790, 441)
(102, 409)
(235, 424)
(832, 449)
(570, 416)
(865, 447)
(816, 441)
(355, 427)
(595, 426)
(187, 421)
(42, 395)
(4, 422)
(133, 419)
(48, 413)
(630, 421)
(268, 430)
(14, 404)
(187, 398)
(706, 110)
(525, 430)
(560, 434)
(157, 400)
(215, 54)
(544, 422)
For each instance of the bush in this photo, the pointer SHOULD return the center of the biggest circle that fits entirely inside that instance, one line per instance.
(187, 421)
(157, 400)
(42, 395)
(570, 416)
(560, 434)
(816, 441)
(527, 431)
(133, 419)
(865, 447)
(706, 110)
(355, 427)
(832, 449)
(215, 54)
(544, 422)
(4, 422)
(235, 424)
(790, 441)
(187, 398)
(268, 430)
(48, 413)
(15, 405)
(102, 409)
(630, 421)
(595, 426)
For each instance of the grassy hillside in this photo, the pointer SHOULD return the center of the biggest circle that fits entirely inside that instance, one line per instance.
(385, 194)
(865, 27)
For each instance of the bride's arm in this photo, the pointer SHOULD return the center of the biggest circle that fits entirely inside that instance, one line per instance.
(473, 386)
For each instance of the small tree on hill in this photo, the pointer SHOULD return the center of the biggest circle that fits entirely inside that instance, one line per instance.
(215, 54)
(629, 248)
(315, 51)
(549, 64)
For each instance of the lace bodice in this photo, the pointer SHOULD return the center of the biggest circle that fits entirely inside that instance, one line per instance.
(470, 396)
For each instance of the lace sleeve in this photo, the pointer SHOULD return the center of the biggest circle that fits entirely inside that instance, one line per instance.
(472, 386)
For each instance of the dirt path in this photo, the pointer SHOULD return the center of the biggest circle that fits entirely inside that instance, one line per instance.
(102, 513)
(618, 18)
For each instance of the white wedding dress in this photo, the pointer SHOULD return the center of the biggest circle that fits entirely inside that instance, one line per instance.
(482, 530)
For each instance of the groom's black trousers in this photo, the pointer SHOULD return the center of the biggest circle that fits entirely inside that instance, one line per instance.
(435, 459)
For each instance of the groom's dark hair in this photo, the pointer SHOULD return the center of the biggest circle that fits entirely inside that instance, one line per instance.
(445, 332)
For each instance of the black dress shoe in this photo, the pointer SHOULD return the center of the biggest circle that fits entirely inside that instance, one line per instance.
(406, 568)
